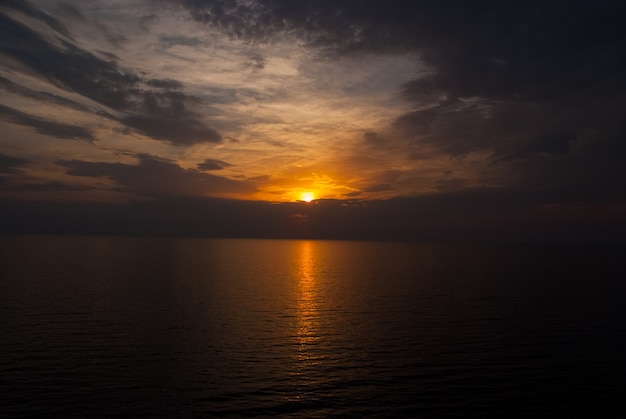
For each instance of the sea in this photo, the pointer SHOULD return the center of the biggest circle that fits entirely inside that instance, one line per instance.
(108, 327)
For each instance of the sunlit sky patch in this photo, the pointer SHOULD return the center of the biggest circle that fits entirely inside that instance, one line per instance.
(287, 113)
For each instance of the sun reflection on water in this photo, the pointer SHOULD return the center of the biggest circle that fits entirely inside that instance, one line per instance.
(307, 299)
(307, 336)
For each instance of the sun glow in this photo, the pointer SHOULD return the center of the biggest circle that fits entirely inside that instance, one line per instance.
(307, 196)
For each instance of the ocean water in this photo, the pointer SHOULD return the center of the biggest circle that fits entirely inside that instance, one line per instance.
(145, 327)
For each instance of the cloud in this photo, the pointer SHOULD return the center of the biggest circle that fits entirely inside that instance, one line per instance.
(511, 107)
(524, 85)
(238, 19)
(165, 117)
(45, 126)
(154, 177)
(255, 62)
(212, 164)
(145, 22)
(10, 164)
(72, 11)
(495, 76)
(52, 186)
(165, 84)
(15, 180)
(164, 114)
(551, 144)
(521, 49)
(45, 97)
(372, 139)
(455, 128)
(69, 66)
(477, 215)
(169, 41)
(378, 188)
(27, 9)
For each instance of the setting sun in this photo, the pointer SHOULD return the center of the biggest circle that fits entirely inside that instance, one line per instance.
(307, 196)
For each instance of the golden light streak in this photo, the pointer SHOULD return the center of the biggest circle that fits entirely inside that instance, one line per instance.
(307, 334)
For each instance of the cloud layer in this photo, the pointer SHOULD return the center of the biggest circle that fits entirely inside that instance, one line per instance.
(515, 105)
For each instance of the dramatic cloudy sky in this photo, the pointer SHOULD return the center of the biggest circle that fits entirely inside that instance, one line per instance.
(413, 119)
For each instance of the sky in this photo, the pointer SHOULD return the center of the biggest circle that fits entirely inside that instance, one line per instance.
(422, 120)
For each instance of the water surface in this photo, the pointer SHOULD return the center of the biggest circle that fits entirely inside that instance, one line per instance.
(145, 327)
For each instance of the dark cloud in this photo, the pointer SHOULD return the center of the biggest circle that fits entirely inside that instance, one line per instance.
(18, 185)
(381, 187)
(478, 216)
(169, 41)
(165, 117)
(71, 11)
(522, 49)
(212, 164)
(255, 62)
(516, 49)
(550, 144)
(15, 180)
(12, 87)
(10, 164)
(500, 77)
(165, 84)
(69, 66)
(536, 75)
(156, 177)
(146, 21)
(568, 142)
(115, 39)
(165, 114)
(455, 128)
(372, 139)
(238, 19)
(26, 8)
(45, 126)
(450, 184)
(591, 174)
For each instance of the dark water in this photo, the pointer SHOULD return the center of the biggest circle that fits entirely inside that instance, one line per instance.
(122, 327)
